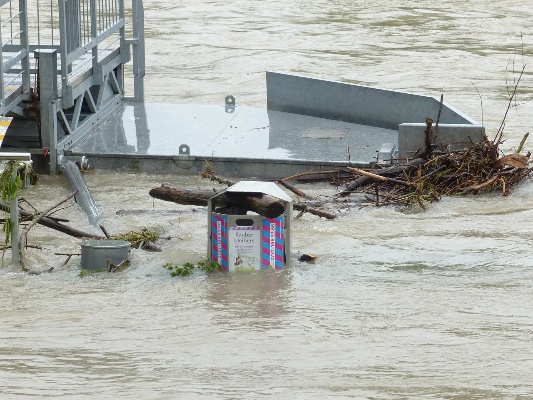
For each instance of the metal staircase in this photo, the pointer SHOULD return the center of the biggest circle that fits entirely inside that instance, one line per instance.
(63, 71)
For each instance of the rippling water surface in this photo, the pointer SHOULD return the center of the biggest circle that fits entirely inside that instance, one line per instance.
(428, 305)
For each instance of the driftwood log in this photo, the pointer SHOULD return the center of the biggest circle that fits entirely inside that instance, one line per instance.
(265, 205)
(311, 210)
(52, 223)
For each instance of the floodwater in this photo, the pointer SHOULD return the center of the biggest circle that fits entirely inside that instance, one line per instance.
(432, 305)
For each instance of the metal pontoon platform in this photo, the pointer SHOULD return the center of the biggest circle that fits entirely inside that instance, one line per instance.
(244, 141)
(308, 125)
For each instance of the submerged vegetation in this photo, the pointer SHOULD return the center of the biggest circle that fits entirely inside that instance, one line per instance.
(139, 239)
(89, 272)
(188, 268)
(14, 176)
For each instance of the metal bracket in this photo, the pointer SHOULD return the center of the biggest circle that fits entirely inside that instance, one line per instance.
(81, 161)
(230, 103)
(386, 154)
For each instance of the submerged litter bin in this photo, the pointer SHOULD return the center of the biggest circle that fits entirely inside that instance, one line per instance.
(97, 254)
(244, 240)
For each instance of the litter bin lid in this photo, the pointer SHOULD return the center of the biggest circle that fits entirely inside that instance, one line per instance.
(269, 188)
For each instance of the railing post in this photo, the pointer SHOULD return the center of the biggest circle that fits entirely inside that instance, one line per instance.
(63, 48)
(51, 123)
(2, 99)
(94, 33)
(25, 47)
(72, 15)
(48, 102)
(138, 50)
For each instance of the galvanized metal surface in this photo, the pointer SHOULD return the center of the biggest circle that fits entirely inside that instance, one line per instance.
(354, 103)
(82, 48)
(14, 87)
(98, 254)
(451, 137)
(247, 142)
(386, 154)
(75, 28)
(83, 197)
(307, 121)
(325, 133)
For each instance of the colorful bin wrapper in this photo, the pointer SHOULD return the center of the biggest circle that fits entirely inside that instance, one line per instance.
(219, 234)
(271, 244)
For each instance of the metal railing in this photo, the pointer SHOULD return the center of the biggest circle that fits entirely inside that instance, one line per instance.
(86, 33)
(93, 32)
(62, 64)
(14, 58)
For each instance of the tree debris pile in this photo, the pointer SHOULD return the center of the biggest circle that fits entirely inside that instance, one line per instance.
(480, 168)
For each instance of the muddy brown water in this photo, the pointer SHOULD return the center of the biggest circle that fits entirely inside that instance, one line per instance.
(434, 305)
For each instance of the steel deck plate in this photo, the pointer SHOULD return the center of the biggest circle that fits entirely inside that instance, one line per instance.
(210, 131)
